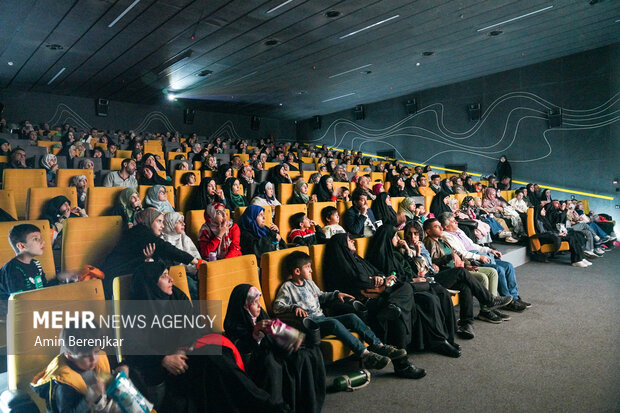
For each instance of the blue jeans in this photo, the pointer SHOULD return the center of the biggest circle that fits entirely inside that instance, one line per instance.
(340, 326)
(496, 228)
(597, 229)
(506, 276)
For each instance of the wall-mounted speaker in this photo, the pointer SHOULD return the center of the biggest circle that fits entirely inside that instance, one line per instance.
(359, 112)
(101, 107)
(411, 106)
(255, 122)
(188, 116)
(474, 111)
(316, 122)
(555, 118)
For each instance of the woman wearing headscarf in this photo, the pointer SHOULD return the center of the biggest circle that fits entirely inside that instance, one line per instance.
(140, 240)
(377, 189)
(469, 185)
(545, 223)
(296, 378)
(188, 370)
(545, 197)
(503, 168)
(50, 163)
(174, 233)
(531, 196)
(149, 159)
(411, 187)
(431, 330)
(382, 208)
(149, 176)
(219, 235)
(457, 185)
(265, 196)
(439, 203)
(80, 182)
(407, 208)
(446, 186)
(232, 192)
(207, 194)
(279, 175)
(224, 172)
(300, 193)
(315, 178)
(324, 191)
(129, 205)
(157, 197)
(57, 210)
(256, 238)
(391, 309)
(397, 188)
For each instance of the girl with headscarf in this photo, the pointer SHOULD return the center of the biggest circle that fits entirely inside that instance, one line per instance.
(391, 309)
(219, 235)
(545, 197)
(80, 182)
(174, 233)
(503, 168)
(407, 208)
(157, 197)
(149, 176)
(140, 240)
(50, 163)
(210, 164)
(300, 193)
(382, 209)
(315, 178)
(256, 238)
(56, 212)
(265, 196)
(397, 188)
(224, 172)
(129, 205)
(324, 191)
(457, 185)
(279, 175)
(377, 189)
(86, 164)
(439, 204)
(232, 192)
(207, 194)
(431, 330)
(531, 196)
(446, 186)
(411, 187)
(188, 370)
(545, 223)
(297, 379)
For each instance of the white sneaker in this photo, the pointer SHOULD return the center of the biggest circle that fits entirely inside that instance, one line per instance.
(597, 238)
(580, 264)
(599, 251)
(590, 254)
(511, 240)
(586, 261)
(505, 234)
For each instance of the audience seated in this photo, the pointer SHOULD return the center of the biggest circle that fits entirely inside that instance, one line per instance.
(157, 197)
(256, 238)
(219, 237)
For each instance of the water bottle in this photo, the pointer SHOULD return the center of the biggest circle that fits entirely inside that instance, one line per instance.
(213, 256)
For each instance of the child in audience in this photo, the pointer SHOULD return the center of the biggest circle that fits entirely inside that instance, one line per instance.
(24, 272)
(331, 218)
(188, 179)
(421, 213)
(72, 380)
(304, 231)
(301, 296)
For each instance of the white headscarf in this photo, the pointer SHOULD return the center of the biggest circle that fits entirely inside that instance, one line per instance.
(181, 241)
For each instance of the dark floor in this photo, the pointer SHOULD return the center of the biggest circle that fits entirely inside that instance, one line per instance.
(561, 355)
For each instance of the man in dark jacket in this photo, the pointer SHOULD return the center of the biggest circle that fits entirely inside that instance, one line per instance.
(359, 220)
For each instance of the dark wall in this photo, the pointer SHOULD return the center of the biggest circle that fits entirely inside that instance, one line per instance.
(583, 154)
(54, 109)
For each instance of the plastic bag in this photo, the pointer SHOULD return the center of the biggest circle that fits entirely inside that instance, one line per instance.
(126, 396)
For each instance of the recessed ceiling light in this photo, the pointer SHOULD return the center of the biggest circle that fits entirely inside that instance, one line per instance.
(10, 63)
(417, 64)
(281, 104)
(370, 26)
(170, 97)
(301, 92)
(278, 6)
(428, 53)
(366, 72)
(515, 18)
(332, 14)
(54, 46)
(120, 16)
(495, 32)
(204, 73)
(57, 74)
(271, 42)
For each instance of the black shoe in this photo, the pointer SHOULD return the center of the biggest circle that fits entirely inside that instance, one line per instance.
(466, 331)
(515, 306)
(410, 372)
(489, 317)
(375, 361)
(446, 349)
(503, 316)
(391, 312)
(388, 351)
(455, 345)
(525, 303)
(360, 310)
(499, 301)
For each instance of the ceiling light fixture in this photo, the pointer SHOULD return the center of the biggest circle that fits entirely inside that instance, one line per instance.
(494, 33)
(277, 7)
(57, 74)
(370, 27)
(349, 71)
(170, 97)
(127, 10)
(54, 46)
(338, 97)
(271, 42)
(428, 53)
(242, 77)
(515, 18)
(417, 64)
(10, 63)
(204, 73)
(332, 14)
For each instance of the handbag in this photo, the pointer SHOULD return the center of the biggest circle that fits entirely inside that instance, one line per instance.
(375, 292)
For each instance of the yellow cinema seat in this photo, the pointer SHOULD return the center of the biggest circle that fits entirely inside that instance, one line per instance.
(64, 176)
(184, 195)
(7, 202)
(102, 199)
(115, 164)
(272, 272)
(179, 278)
(284, 192)
(89, 241)
(395, 201)
(39, 197)
(123, 154)
(315, 208)
(19, 181)
(283, 214)
(46, 260)
(361, 245)
(49, 144)
(535, 244)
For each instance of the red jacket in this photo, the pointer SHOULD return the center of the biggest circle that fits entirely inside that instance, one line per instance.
(207, 245)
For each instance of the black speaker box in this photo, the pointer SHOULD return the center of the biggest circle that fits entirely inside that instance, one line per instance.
(555, 118)
(101, 107)
(188, 116)
(255, 123)
(359, 112)
(411, 106)
(474, 111)
(316, 122)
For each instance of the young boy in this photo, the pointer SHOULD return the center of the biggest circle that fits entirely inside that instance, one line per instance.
(73, 381)
(301, 296)
(22, 273)
(304, 231)
(331, 218)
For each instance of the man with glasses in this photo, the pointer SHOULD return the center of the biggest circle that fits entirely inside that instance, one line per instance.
(17, 159)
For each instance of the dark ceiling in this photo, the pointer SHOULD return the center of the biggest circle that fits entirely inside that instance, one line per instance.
(319, 63)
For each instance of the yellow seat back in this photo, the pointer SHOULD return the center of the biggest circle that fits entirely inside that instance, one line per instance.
(64, 176)
(216, 280)
(39, 197)
(142, 189)
(316, 253)
(115, 163)
(283, 213)
(272, 272)
(123, 154)
(49, 144)
(395, 201)
(243, 156)
(361, 244)
(184, 195)
(89, 240)
(179, 278)
(46, 260)
(285, 192)
(7, 202)
(531, 230)
(102, 199)
(19, 180)
(315, 208)
(306, 176)
(508, 195)
(377, 176)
